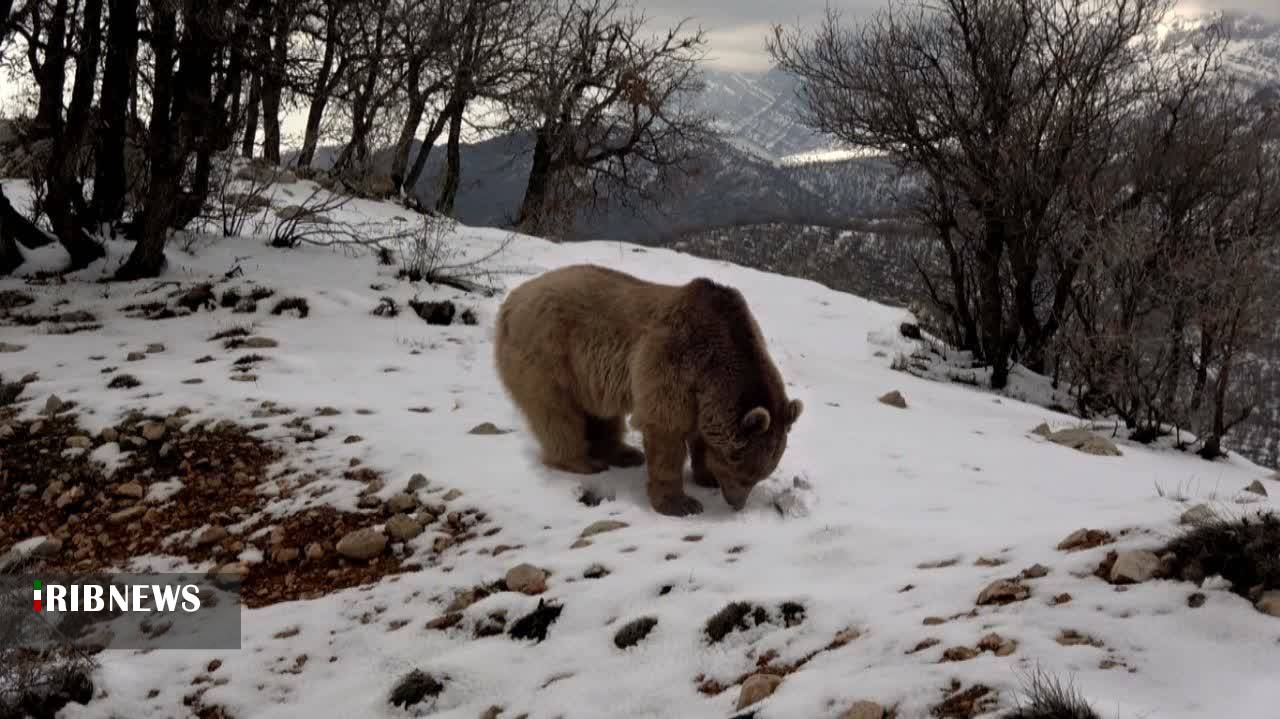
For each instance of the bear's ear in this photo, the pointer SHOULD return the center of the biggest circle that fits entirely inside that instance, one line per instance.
(794, 408)
(756, 422)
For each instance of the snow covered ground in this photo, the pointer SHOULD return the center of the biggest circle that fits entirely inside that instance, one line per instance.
(882, 492)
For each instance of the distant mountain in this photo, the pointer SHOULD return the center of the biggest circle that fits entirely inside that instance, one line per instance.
(1252, 54)
(760, 112)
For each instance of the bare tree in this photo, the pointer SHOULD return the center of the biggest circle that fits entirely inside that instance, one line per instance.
(608, 107)
(324, 53)
(1003, 102)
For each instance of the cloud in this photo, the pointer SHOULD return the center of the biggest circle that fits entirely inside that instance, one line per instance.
(736, 29)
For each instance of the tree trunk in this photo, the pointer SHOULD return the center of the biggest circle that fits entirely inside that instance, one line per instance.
(65, 204)
(147, 258)
(535, 191)
(424, 151)
(995, 347)
(273, 84)
(52, 75)
(251, 117)
(111, 178)
(453, 158)
(320, 95)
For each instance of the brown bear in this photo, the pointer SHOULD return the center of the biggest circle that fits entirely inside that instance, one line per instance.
(581, 347)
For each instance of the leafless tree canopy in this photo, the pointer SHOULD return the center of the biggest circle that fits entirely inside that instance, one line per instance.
(608, 105)
(139, 106)
(1099, 208)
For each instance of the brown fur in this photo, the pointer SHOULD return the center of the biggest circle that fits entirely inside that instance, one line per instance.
(581, 347)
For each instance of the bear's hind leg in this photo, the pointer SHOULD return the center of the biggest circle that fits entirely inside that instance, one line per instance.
(605, 439)
(561, 428)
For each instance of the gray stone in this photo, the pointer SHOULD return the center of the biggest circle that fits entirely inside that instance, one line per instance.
(1082, 440)
(79, 441)
(894, 399)
(1003, 591)
(1198, 514)
(52, 406)
(5, 347)
(417, 482)
(757, 688)
(362, 544)
(154, 347)
(401, 503)
(1257, 488)
(604, 525)
(526, 579)
(153, 431)
(210, 535)
(402, 527)
(135, 356)
(130, 490)
(1134, 566)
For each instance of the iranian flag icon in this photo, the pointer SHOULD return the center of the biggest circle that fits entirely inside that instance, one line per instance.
(37, 591)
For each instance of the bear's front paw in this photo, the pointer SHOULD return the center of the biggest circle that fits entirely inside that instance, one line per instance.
(680, 505)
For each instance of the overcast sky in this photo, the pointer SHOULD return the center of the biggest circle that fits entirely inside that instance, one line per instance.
(737, 28)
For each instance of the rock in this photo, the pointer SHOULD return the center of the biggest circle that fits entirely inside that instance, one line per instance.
(401, 503)
(69, 497)
(153, 431)
(6, 431)
(894, 399)
(1082, 440)
(1084, 539)
(109, 434)
(757, 688)
(526, 579)
(1134, 566)
(127, 515)
(402, 527)
(1269, 603)
(1196, 600)
(451, 495)
(959, 654)
(1003, 591)
(52, 406)
(210, 535)
(1035, 571)
(315, 552)
(997, 644)
(595, 571)
(486, 428)
(244, 377)
(580, 543)
(328, 412)
(362, 544)
(302, 215)
(286, 554)
(604, 525)
(416, 483)
(154, 348)
(1043, 430)
(5, 347)
(79, 441)
(1199, 514)
(135, 356)
(260, 343)
(1257, 488)
(234, 570)
(130, 490)
(863, 710)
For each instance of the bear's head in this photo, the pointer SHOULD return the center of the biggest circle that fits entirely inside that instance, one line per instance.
(748, 452)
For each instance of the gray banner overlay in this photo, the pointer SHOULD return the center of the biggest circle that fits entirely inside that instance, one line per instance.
(110, 610)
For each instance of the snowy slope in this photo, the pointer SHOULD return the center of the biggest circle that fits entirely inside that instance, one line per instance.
(955, 476)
